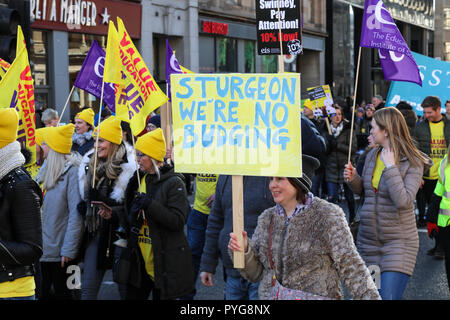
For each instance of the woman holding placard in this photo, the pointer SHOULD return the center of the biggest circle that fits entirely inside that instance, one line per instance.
(302, 247)
(387, 235)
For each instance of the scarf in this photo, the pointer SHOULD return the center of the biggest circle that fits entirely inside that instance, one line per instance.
(82, 138)
(299, 208)
(337, 131)
(10, 158)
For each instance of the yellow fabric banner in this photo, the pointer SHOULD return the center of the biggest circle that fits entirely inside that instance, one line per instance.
(17, 91)
(113, 65)
(237, 124)
(4, 66)
(140, 94)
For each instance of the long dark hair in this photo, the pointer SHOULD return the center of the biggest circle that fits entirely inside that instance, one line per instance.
(301, 193)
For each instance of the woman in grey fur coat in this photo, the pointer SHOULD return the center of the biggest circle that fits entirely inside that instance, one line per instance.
(312, 248)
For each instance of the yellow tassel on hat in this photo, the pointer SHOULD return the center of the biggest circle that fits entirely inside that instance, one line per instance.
(110, 130)
(59, 139)
(86, 115)
(9, 122)
(153, 144)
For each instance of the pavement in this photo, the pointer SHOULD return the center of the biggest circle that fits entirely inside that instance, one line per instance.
(428, 282)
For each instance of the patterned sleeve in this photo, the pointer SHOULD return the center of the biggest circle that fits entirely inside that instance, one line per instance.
(349, 264)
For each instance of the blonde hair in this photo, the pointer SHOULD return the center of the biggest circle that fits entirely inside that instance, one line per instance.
(55, 164)
(111, 166)
(392, 120)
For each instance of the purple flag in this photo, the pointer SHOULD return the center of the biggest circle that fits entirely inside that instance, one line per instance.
(379, 31)
(90, 76)
(172, 66)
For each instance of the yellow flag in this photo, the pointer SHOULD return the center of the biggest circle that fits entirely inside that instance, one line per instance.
(17, 91)
(140, 94)
(20, 40)
(185, 70)
(4, 66)
(113, 65)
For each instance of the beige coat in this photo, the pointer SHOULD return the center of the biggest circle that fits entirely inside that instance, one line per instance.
(313, 253)
(387, 235)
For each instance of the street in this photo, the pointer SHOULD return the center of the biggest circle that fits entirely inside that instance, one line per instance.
(428, 282)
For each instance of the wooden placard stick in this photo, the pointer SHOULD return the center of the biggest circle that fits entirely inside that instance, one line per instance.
(238, 218)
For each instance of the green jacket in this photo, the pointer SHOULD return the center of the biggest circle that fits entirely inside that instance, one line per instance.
(443, 190)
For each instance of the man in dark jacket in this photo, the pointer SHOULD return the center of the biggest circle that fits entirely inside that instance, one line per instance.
(20, 216)
(433, 137)
(257, 198)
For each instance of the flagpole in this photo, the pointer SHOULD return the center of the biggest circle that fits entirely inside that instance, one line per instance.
(98, 134)
(65, 106)
(280, 57)
(137, 169)
(354, 104)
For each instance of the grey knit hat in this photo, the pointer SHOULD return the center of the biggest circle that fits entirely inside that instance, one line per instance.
(309, 166)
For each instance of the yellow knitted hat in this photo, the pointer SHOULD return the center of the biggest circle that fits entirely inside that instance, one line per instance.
(308, 105)
(59, 139)
(152, 144)
(86, 115)
(110, 130)
(40, 135)
(9, 122)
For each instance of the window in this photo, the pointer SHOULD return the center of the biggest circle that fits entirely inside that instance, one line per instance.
(249, 49)
(39, 65)
(446, 18)
(79, 45)
(269, 64)
(226, 54)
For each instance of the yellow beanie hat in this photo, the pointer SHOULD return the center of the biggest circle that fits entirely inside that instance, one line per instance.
(152, 144)
(86, 115)
(9, 122)
(308, 104)
(40, 135)
(110, 130)
(59, 139)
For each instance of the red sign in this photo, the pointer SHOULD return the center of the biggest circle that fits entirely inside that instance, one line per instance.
(90, 17)
(215, 27)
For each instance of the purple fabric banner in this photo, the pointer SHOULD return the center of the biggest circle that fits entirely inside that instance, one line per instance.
(172, 66)
(90, 76)
(379, 31)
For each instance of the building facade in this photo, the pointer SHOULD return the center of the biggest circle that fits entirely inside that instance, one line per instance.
(62, 33)
(442, 32)
(415, 20)
(219, 36)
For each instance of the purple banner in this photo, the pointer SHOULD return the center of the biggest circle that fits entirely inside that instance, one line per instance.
(379, 31)
(172, 66)
(90, 76)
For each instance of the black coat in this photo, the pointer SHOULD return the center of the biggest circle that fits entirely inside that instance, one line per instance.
(20, 223)
(338, 153)
(166, 217)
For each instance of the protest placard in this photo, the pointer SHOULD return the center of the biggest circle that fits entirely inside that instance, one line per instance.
(279, 21)
(237, 124)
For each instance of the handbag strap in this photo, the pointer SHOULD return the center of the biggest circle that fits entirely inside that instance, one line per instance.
(272, 265)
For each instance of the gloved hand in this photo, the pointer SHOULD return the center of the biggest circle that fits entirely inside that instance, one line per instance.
(143, 200)
(432, 229)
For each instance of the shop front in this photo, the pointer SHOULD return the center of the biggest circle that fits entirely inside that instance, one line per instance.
(62, 33)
